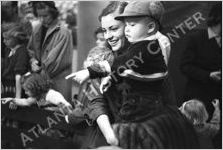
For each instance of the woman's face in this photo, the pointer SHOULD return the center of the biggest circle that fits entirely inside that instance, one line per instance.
(45, 16)
(113, 31)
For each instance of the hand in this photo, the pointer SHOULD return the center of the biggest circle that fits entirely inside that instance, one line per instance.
(126, 73)
(105, 84)
(35, 66)
(12, 106)
(215, 75)
(80, 76)
(6, 100)
(215, 103)
(112, 140)
(67, 109)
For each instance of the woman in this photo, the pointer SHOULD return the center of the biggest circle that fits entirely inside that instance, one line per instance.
(160, 129)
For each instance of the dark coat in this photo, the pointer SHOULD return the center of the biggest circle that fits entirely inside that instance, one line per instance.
(201, 57)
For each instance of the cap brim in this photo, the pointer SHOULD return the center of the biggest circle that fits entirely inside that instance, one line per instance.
(126, 15)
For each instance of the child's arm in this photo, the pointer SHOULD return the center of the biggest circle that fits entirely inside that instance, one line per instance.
(24, 101)
(150, 77)
(105, 127)
(97, 70)
(214, 124)
(18, 86)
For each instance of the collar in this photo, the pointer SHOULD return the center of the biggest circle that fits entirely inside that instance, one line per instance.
(13, 50)
(54, 26)
(155, 36)
(211, 33)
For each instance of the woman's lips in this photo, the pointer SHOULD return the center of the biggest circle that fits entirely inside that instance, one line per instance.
(113, 43)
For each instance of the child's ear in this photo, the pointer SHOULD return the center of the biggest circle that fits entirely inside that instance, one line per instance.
(151, 27)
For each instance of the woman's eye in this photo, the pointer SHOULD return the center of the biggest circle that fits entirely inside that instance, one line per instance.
(114, 29)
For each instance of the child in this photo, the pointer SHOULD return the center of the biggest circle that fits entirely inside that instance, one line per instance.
(197, 114)
(99, 36)
(16, 62)
(39, 91)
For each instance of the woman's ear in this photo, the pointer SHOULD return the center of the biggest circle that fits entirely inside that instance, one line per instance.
(151, 27)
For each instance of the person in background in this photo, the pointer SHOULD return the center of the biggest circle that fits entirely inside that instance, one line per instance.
(71, 20)
(50, 47)
(197, 114)
(99, 36)
(16, 63)
(201, 63)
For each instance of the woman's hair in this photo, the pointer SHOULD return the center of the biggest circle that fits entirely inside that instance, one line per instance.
(38, 84)
(98, 54)
(215, 15)
(113, 6)
(15, 30)
(44, 4)
(195, 111)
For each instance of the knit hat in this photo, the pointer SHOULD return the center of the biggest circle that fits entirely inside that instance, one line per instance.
(152, 9)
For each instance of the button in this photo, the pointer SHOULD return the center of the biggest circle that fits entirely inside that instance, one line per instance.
(133, 100)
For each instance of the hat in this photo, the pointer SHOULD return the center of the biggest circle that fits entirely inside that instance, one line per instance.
(152, 9)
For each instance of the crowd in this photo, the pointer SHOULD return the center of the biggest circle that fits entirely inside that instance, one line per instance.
(125, 97)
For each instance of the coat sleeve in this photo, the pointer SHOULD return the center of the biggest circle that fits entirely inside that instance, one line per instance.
(188, 64)
(214, 124)
(30, 48)
(97, 104)
(59, 58)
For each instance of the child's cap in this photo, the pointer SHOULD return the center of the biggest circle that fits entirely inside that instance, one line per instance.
(152, 9)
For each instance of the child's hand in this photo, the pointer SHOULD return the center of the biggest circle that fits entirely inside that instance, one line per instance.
(105, 84)
(112, 140)
(80, 76)
(215, 103)
(126, 73)
(35, 67)
(12, 106)
(66, 109)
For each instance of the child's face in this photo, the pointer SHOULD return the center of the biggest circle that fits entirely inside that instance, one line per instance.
(100, 40)
(136, 29)
(10, 42)
(28, 92)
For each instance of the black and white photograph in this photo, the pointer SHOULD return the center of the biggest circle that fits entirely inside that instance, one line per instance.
(143, 74)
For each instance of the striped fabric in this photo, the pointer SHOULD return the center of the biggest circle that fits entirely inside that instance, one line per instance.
(170, 129)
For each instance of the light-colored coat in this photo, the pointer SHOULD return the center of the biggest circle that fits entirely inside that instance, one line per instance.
(55, 54)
